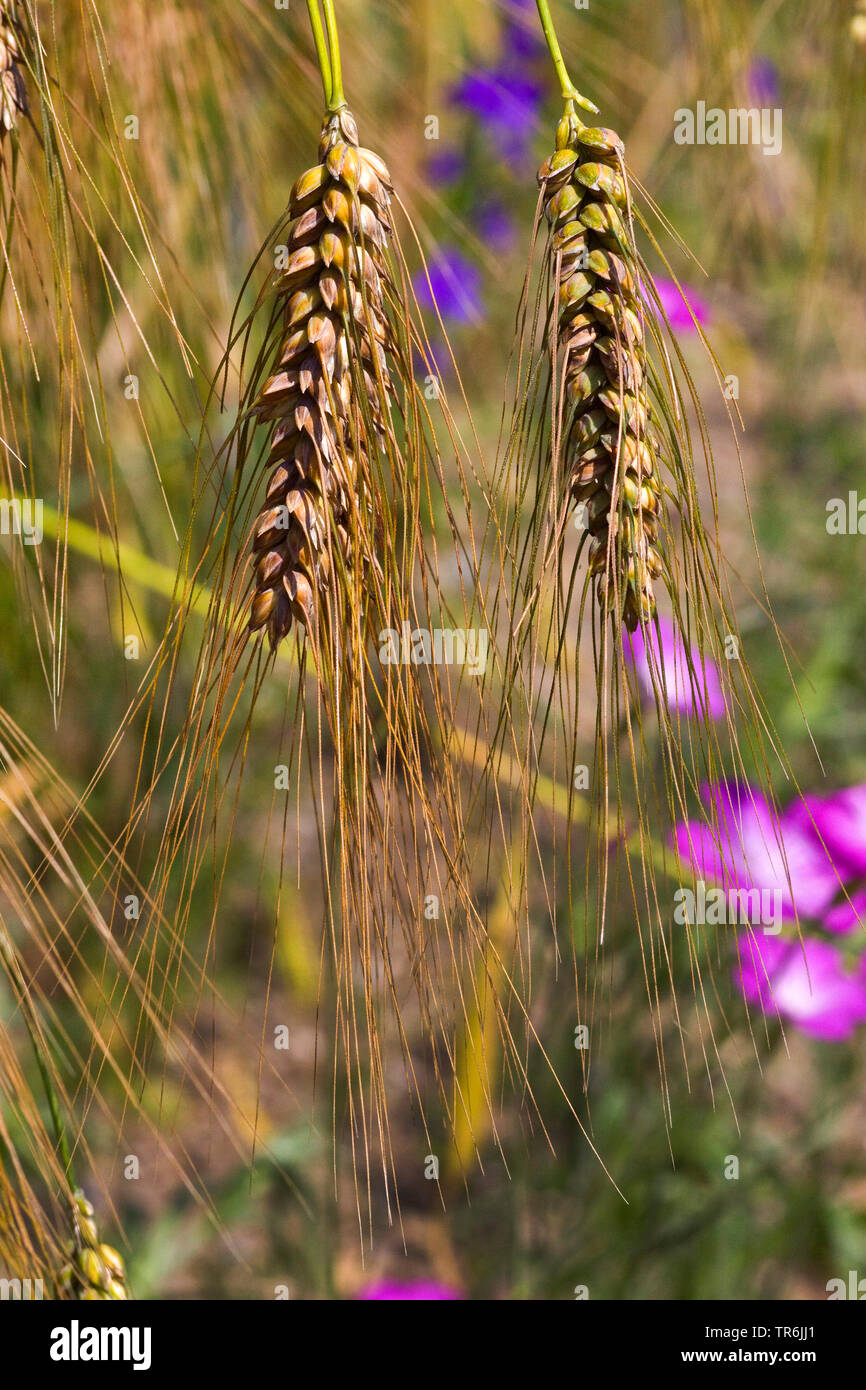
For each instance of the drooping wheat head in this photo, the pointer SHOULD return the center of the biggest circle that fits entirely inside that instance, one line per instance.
(609, 448)
(606, 417)
(324, 394)
(346, 550)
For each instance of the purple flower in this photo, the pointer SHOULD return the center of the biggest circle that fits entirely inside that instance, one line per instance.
(445, 166)
(805, 982)
(424, 1289)
(676, 303)
(841, 822)
(847, 915)
(522, 35)
(455, 283)
(750, 854)
(763, 82)
(435, 362)
(506, 103)
(691, 686)
(495, 227)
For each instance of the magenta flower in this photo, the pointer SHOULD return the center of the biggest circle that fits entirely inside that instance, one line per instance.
(677, 302)
(691, 685)
(455, 282)
(840, 820)
(804, 982)
(847, 915)
(426, 1290)
(750, 855)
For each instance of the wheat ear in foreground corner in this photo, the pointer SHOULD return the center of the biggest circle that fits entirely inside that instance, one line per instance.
(94, 1270)
(609, 447)
(326, 390)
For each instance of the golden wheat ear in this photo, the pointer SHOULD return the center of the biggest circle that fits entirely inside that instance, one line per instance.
(324, 392)
(13, 91)
(325, 561)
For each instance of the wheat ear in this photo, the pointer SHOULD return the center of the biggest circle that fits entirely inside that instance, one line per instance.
(94, 1270)
(610, 448)
(13, 94)
(336, 344)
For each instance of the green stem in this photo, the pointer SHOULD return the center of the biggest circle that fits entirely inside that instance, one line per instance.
(13, 973)
(54, 1107)
(567, 87)
(337, 100)
(321, 48)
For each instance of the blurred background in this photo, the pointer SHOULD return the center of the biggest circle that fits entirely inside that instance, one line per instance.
(161, 229)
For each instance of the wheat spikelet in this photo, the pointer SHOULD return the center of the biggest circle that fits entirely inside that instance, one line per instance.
(610, 449)
(94, 1271)
(337, 338)
(13, 95)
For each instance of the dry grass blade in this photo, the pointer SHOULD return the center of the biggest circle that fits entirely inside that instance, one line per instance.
(82, 298)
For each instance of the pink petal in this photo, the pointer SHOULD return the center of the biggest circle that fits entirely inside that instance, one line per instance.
(841, 820)
(690, 684)
(676, 303)
(758, 849)
(804, 982)
(846, 916)
(425, 1290)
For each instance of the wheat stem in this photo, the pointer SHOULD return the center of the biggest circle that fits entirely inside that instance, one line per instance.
(13, 974)
(321, 48)
(567, 87)
(336, 100)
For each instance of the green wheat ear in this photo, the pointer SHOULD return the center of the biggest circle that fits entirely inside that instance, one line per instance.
(605, 415)
(610, 452)
(94, 1270)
